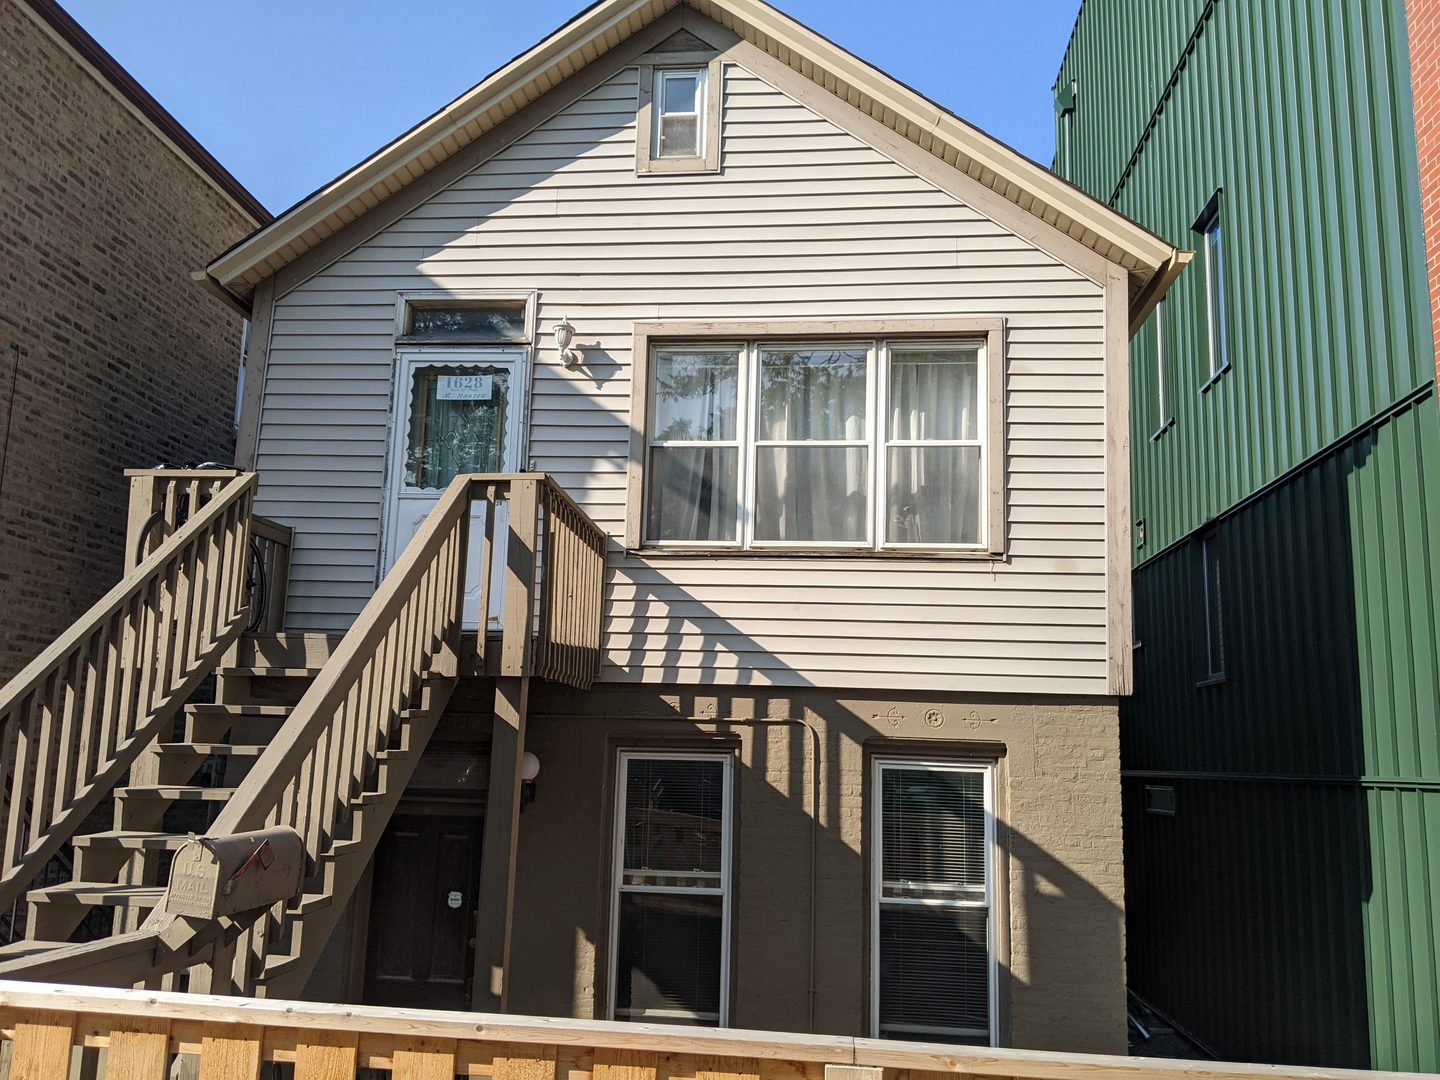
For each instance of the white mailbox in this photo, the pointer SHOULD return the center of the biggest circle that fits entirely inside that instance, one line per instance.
(225, 875)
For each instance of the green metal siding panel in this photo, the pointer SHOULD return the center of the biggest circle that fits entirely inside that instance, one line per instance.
(1303, 865)
(1117, 86)
(1293, 917)
(1300, 111)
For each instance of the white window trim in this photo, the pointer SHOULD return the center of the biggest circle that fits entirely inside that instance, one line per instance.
(987, 335)
(1163, 413)
(987, 769)
(724, 890)
(647, 114)
(702, 129)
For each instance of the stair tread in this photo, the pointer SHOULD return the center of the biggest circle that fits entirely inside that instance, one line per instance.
(216, 709)
(267, 671)
(205, 749)
(131, 838)
(97, 892)
(179, 792)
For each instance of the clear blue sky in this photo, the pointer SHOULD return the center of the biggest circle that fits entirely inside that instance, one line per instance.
(289, 93)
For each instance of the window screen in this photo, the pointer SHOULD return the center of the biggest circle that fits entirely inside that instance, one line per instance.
(672, 889)
(934, 966)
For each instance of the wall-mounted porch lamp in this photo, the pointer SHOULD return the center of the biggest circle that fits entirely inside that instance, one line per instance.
(571, 353)
(529, 770)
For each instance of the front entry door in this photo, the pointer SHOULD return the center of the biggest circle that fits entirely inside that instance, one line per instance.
(422, 915)
(454, 414)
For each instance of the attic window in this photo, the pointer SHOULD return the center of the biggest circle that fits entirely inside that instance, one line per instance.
(678, 125)
(455, 321)
(679, 119)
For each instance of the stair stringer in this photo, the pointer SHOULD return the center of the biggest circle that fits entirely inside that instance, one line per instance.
(285, 975)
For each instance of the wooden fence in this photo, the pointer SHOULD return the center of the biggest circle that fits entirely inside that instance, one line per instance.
(217, 1038)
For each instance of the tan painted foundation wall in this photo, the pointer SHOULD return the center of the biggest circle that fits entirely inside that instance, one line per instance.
(1059, 905)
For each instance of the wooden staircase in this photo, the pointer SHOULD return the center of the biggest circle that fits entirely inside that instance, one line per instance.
(316, 734)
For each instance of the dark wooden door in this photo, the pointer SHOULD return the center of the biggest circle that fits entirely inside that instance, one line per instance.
(422, 913)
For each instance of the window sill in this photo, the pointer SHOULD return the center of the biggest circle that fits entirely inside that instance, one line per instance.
(1211, 680)
(811, 553)
(1162, 429)
(678, 167)
(1210, 382)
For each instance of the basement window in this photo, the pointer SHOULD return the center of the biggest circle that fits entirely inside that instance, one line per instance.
(934, 975)
(670, 911)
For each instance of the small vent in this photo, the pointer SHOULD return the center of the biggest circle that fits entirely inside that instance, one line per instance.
(1160, 799)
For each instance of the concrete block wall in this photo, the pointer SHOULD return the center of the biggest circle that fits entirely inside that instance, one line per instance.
(110, 356)
(1060, 910)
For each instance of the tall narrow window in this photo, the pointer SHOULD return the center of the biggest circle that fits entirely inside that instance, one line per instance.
(1214, 606)
(934, 958)
(812, 446)
(1208, 225)
(935, 491)
(671, 911)
(695, 447)
(1163, 418)
(679, 113)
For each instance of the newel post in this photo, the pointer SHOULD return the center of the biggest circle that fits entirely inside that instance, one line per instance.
(507, 745)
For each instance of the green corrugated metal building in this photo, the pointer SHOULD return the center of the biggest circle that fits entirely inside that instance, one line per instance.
(1282, 749)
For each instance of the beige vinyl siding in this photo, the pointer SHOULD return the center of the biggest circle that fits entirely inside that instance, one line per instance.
(804, 222)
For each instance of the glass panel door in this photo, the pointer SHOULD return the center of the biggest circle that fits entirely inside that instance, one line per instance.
(455, 415)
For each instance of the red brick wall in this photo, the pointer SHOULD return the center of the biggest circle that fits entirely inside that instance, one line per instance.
(1424, 23)
(122, 360)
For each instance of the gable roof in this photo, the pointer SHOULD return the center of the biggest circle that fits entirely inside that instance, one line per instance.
(1151, 262)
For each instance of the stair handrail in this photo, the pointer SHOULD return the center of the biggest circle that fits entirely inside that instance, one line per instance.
(75, 718)
(410, 629)
(324, 753)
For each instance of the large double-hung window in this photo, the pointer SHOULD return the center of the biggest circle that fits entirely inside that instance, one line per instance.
(823, 445)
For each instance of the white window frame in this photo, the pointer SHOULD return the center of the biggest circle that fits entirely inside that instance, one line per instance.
(1165, 416)
(662, 75)
(421, 298)
(877, 899)
(725, 889)
(877, 442)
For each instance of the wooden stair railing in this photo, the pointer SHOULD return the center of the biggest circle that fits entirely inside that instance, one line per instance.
(402, 653)
(336, 768)
(76, 718)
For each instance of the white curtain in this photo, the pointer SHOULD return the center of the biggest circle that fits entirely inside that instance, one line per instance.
(694, 481)
(934, 490)
(805, 492)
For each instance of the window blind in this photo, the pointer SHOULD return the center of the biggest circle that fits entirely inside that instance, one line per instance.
(933, 958)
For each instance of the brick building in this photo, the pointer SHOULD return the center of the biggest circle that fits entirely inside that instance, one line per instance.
(1423, 25)
(110, 355)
